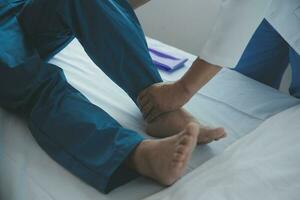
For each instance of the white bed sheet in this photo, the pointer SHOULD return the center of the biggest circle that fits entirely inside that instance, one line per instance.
(264, 165)
(27, 173)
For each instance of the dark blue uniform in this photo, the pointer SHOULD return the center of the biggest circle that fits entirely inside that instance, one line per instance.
(267, 56)
(77, 134)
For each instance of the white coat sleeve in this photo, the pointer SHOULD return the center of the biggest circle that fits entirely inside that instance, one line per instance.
(235, 25)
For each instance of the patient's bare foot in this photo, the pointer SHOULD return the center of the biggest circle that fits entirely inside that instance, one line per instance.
(173, 122)
(208, 135)
(165, 160)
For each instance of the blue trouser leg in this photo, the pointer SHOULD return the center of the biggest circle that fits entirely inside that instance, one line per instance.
(81, 136)
(295, 64)
(78, 135)
(266, 57)
(108, 30)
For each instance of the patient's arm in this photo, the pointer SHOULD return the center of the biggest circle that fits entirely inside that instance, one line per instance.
(166, 97)
(137, 3)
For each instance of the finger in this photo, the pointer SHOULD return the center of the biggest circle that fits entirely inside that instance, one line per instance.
(146, 116)
(146, 109)
(144, 101)
(149, 117)
(142, 94)
(154, 113)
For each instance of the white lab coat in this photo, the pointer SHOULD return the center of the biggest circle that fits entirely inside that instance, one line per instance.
(237, 22)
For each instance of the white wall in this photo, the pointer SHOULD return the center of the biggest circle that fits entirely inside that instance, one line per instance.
(185, 24)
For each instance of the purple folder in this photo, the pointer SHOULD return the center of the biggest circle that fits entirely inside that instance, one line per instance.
(166, 61)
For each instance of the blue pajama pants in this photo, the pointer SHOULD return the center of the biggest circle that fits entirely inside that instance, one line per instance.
(77, 134)
(266, 58)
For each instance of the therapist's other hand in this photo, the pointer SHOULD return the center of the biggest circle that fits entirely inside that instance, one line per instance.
(161, 98)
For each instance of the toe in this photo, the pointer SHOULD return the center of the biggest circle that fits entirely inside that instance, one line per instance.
(217, 133)
(192, 128)
(185, 140)
(181, 149)
(177, 165)
(179, 157)
(206, 140)
(208, 135)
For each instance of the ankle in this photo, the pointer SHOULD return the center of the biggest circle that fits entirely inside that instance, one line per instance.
(136, 159)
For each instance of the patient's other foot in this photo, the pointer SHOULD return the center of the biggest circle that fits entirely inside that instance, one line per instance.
(165, 160)
(171, 123)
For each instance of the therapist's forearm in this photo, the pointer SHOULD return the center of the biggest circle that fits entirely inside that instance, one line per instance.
(198, 75)
(137, 3)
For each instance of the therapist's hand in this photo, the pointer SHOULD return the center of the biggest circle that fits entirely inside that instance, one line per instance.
(166, 97)
(162, 97)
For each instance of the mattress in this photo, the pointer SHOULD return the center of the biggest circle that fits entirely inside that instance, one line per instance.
(231, 100)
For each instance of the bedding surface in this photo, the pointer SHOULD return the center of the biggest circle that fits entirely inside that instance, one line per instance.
(231, 100)
(263, 165)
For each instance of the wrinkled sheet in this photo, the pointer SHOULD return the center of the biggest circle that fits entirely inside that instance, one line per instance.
(230, 100)
(263, 165)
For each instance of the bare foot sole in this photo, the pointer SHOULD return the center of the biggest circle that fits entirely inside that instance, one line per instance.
(171, 123)
(165, 160)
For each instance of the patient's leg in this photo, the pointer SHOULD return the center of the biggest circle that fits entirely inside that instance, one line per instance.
(82, 137)
(108, 30)
(91, 144)
(75, 133)
(111, 35)
(118, 46)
